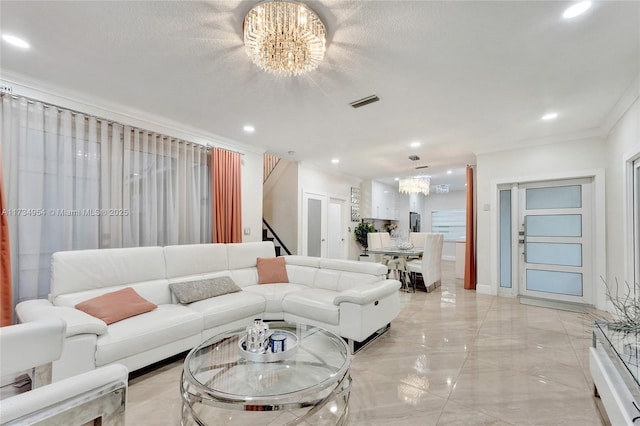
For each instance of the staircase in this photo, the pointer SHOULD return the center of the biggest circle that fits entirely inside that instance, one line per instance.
(269, 235)
(266, 237)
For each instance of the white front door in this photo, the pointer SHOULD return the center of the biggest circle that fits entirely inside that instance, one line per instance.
(555, 243)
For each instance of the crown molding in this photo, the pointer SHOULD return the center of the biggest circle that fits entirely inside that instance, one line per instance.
(623, 104)
(67, 98)
(593, 133)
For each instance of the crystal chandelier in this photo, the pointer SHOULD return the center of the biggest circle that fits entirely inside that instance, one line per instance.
(414, 185)
(284, 38)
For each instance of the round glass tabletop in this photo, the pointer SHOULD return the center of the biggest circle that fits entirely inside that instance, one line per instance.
(317, 371)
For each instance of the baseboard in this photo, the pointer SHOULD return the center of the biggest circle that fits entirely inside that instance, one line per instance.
(553, 304)
(486, 289)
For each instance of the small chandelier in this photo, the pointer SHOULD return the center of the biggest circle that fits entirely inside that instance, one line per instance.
(284, 38)
(414, 185)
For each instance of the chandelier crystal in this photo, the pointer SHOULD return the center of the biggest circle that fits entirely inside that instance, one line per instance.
(414, 185)
(284, 38)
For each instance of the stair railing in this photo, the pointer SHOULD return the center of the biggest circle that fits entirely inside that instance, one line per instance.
(284, 247)
(269, 163)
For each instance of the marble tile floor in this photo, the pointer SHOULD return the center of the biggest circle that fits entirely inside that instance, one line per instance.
(452, 357)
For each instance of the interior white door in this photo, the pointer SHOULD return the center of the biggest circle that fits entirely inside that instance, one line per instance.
(555, 240)
(335, 231)
(314, 224)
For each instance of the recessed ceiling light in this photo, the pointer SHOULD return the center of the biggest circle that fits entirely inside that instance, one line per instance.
(335, 161)
(576, 9)
(18, 42)
(396, 179)
(449, 172)
(415, 144)
(249, 128)
(550, 116)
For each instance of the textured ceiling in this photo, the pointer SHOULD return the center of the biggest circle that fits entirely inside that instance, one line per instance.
(459, 77)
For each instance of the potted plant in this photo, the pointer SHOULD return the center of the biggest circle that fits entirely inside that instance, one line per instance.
(361, 232)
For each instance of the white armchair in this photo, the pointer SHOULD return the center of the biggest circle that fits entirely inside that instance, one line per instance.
(430, 266)
(98, 396)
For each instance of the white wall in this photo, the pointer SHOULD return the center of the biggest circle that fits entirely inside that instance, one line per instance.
(561, 159)
(281, 205)
(252, 196)
(623, 144)
(333, 184)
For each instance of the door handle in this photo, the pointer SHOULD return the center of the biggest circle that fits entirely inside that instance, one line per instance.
(523, 239)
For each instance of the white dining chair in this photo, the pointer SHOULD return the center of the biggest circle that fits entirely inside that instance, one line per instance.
(430, 266)
(377, 240)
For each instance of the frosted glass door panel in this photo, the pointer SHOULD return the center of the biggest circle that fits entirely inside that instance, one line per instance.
(554, 254)
(314, 229)
(554, 282)
(505, 238)
(555, 197)
(554, 225)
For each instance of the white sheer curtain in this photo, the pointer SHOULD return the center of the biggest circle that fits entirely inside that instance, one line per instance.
(78, 182)
(165, 190)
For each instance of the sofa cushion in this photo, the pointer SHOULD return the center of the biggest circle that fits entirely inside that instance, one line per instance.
(81, 270)
(244, 255)
(271, 270)
(195, 259)
(192, 291)
(164, 325)
(275, 293)
(316, 304)
(229, 307)
(116, 306)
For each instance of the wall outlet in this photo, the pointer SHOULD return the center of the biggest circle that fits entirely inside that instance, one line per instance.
(247, 231)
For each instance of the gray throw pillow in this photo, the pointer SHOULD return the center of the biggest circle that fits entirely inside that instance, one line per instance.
(192, 291)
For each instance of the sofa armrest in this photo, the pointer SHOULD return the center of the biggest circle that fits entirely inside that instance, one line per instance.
(367, 293)
(77, 321)
(97, 394)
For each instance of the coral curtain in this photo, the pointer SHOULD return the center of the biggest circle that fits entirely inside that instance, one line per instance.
(6, 298)
(470, 246)
(226, 196)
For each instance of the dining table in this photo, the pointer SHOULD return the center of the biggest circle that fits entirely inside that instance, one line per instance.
(403, 256)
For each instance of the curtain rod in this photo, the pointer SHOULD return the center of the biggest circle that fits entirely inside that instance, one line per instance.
(85, 115)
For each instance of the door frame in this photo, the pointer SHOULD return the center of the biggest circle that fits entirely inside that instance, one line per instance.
(628, 217)
(598, 224)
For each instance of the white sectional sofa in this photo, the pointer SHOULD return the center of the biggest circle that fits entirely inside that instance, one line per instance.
(352, 299)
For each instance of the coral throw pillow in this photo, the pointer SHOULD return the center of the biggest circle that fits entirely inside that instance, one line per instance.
(116, 306)
(272, 270)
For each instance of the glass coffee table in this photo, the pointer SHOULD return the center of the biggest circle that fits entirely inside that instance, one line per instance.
(310, 385)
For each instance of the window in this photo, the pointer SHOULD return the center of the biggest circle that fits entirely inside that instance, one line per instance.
(451, 223)
(79, 182)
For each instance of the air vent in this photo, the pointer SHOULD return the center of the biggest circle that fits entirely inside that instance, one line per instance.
(364, 101)
(414, 158)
